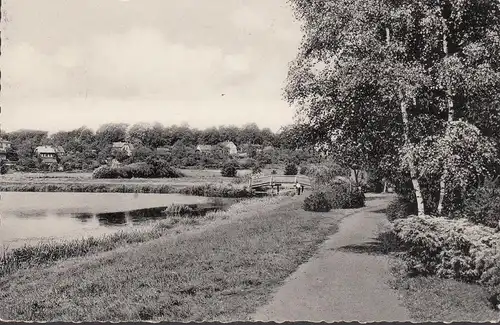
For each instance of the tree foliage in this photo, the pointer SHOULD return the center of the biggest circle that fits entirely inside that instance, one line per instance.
(374, 78)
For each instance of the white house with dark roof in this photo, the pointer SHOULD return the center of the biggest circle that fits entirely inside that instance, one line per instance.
(4, 146)
(125, 147)
(48, 154)
(233, 150)
(204, 148)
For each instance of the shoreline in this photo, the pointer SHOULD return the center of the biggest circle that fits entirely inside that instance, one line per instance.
(206, 189)
(218, 267)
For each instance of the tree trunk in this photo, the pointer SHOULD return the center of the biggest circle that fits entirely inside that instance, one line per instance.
(451, 113)
(411, 164)
(442, 182)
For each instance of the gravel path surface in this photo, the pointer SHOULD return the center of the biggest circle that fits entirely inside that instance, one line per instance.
(338, 284)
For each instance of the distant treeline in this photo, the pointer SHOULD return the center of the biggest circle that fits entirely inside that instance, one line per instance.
(87, 149)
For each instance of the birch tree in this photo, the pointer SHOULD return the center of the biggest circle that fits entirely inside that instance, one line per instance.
(383, 75)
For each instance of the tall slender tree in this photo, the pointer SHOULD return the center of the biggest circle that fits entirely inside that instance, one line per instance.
(382, 75)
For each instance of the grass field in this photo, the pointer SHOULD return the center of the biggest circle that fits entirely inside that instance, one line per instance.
(222, 270)
(192, 177)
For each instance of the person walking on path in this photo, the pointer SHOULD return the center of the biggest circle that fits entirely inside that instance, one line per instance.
(298, 187)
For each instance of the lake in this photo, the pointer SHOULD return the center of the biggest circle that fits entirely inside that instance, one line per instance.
(27, 218)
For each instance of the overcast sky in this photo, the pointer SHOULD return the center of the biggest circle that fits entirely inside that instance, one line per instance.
(68, 63)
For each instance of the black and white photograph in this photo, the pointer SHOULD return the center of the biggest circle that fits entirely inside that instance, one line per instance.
(250, 160)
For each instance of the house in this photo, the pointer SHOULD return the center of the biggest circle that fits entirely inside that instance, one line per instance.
(163, 150)
(268, 149)
(4, 146)
(47, 154)
(204, 148)
(247, 148)
(242, 155)
(125, 147)
(59, 151)
(233, 150)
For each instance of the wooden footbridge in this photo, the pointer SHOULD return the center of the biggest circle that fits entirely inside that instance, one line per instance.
(278, 180)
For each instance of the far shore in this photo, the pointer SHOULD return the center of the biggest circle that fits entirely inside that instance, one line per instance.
(195, 182)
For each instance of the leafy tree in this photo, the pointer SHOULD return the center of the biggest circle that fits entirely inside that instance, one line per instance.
(111, 132)
(373, 78)
(229, 169)
(3, 167)
(291, 169)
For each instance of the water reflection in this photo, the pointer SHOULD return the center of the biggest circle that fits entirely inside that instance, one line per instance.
(112, 219)
(31, 214)
(140, 216)
(28, 217)
(83, 217)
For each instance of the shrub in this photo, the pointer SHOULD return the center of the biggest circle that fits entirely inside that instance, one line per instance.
(450, 248)
(256, 169)
(317, 202)
(374, 184)
(247, 163)
(101, 172)
(482, 206)
(3, 168)
(327, 173)
(400, 208)
(303, 170)
(210, 190)
(155, 169)
(342, 196)
(229, 169)
(273, 172)
(291, 169)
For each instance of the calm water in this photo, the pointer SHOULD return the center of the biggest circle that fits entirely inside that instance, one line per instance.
(27, 218)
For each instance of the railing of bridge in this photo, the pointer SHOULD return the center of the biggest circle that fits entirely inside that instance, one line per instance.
(269, 180)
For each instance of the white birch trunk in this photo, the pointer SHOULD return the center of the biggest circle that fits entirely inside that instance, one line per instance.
(411, 164)
(451, 113)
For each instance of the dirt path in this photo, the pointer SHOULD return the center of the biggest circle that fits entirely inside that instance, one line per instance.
(338, 284)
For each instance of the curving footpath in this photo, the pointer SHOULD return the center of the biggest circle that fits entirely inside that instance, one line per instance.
(338, 284)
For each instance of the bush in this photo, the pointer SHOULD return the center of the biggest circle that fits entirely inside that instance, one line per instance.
(3, 167)
(303, 170)
(450, 248)
(273, 172)
(155, 169)
(374, 184)
(210, 190)
(247, 163)
(229, 170)
(291, 169)
(400, 208)
(342, 196)
(317, 202)
(327, 173)
(482, 206)
(256, 169)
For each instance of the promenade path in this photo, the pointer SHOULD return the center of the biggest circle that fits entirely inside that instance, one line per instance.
(339, 284)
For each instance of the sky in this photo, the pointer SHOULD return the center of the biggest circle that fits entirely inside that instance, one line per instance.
(70, 63)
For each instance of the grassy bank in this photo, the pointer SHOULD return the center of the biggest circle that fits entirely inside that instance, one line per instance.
(209, 190)
(221, 271)
(49, 252)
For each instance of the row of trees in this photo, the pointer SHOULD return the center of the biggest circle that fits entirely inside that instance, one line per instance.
(87, 149)
(407, 88)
